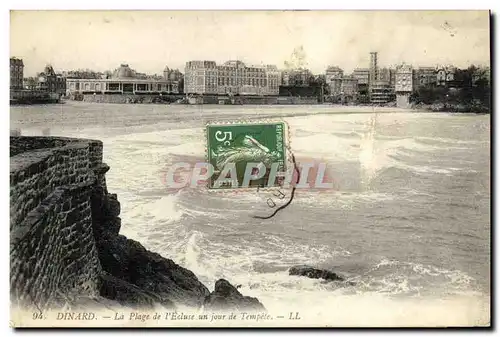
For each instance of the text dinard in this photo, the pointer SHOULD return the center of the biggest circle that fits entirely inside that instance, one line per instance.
(171, 316)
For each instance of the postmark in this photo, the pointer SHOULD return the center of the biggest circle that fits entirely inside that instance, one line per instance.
(279, 199)
(247, 154)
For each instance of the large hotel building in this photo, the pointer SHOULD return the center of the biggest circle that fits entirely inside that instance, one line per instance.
(232, 77)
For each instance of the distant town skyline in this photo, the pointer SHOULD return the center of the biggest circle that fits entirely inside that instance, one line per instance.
(150, 40)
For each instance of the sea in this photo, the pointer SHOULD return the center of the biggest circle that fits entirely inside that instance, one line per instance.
(407, 221)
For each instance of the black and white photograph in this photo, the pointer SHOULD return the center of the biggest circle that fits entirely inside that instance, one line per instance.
(250, 168)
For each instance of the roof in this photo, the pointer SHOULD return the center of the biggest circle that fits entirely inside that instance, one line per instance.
(123, 71)
(333, 68)
(234, 63)
(16, 60)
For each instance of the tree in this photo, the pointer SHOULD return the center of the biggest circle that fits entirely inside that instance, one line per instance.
(469, 91)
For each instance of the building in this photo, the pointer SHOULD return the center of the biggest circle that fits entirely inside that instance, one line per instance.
(16, 73)
(404, 85)
(381, 92)
(237, 78)
(30, 83)
(49, 81)
(388, 75)
(333, 78)
(384, 74)
(349, 89)
(343, 89)
(362, 75)
(231, 78)
(273, 79)
(296, 77)
(200, 77)
(173, 75)
(122, 81)
(424, 77)
(85, 73)
(333, 72)
(445, 75)
(335, 86)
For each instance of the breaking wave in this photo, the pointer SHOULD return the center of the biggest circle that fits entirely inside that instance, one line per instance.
(211, 234)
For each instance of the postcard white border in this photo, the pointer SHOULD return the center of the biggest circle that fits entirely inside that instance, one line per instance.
(192, 4)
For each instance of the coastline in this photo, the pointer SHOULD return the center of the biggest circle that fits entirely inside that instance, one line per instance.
(421, 108)
(457, 316)
(73, 223)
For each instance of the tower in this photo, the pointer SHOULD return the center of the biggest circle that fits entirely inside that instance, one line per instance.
(403, 85)
(373, 67)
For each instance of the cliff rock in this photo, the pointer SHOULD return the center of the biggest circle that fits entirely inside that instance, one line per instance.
(128, 261)
(65, 246)
(226, 297)
(130, 295)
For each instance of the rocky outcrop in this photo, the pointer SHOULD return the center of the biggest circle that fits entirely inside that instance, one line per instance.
(65, 245)
(135, 270)
(314, 273)
(226, 297)
(130, 295)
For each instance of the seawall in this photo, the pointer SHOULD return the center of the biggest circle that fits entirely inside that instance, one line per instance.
(130, 98)
(205, 99)
(65, 242)
(32, 97)
(52, 251)
(248, 99)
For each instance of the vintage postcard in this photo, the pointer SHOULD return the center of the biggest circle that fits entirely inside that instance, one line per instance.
(250, 169)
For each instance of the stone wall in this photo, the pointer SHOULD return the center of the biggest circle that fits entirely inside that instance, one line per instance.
(131, 98)
(205, 99)
(257, 100)
(65, 242)
(52, 248)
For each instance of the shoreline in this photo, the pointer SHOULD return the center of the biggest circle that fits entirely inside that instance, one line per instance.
(387, 316)
(453, 109)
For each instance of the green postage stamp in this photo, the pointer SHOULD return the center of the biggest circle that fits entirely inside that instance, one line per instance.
(246, 154)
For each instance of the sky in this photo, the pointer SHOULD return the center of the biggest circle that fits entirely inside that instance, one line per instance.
(150, 40)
